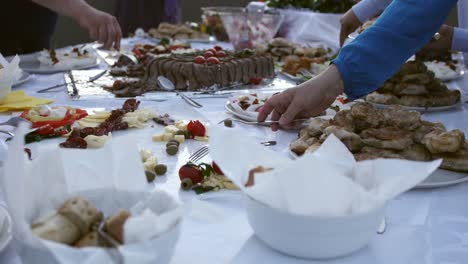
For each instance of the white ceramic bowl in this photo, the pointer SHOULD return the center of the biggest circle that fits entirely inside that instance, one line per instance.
(311, 237)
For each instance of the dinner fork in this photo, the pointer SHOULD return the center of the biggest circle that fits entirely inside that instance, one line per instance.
(14, 121)
(199, 154)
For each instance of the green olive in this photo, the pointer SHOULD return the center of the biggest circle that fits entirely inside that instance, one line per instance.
(172, 150)
(150, 176)
(186, 184)
(172, 142)
(228, 123)
(160, 169)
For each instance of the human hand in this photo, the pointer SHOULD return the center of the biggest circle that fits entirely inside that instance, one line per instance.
(443, 42)
(306, 100)
(101, 26)
(349, 23)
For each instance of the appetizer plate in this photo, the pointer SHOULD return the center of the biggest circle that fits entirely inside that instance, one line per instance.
(440, 178)
(228, 106)
(6, 228)
(422, 109)
(24, 78)
(443, 72)
(31, 64)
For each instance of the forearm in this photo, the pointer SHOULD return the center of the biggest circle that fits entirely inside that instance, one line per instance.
(377, 53)
(366, 9)
(460, 39)
(69, 8)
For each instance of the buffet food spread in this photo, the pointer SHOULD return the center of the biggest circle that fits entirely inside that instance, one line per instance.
(112, 172)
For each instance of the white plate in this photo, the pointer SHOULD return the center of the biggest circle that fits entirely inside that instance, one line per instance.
(30, 64)
(240, 115)
(440, 178)
(6, 230)
(421, 109)
(24, 78)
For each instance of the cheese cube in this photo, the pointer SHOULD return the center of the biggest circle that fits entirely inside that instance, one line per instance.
(171, 129)
(181, 125)
(158, 138)
(180, 138)
(167, 136)
(204, 139)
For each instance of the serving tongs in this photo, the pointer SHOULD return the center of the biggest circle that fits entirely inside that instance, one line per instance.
(167, 85)
(114, 252)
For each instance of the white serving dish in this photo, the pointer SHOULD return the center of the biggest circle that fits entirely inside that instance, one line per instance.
(312, 237)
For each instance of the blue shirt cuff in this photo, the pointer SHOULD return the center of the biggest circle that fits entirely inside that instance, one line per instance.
(460, 39)
(346, 77)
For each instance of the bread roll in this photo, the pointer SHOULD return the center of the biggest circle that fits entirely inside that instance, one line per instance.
(115, 224)
(89, 240)
(81, 212)
(57, 228)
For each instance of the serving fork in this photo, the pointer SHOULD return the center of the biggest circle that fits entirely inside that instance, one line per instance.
(264, 123)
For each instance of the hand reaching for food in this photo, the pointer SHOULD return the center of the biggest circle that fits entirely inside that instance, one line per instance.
(306, 100)
(442, 41)
(349, 23)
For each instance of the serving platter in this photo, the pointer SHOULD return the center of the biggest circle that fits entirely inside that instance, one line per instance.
(25, 76)
(422, 109)
(440, 178)
(31, 64)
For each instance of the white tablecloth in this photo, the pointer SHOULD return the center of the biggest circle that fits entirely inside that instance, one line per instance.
(424, 226)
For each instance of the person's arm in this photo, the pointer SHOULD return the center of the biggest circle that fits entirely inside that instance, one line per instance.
(358, 14)
(101, 26)
(366, 9)
(376, 54)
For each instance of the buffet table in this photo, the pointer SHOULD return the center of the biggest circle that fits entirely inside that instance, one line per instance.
(423, 226)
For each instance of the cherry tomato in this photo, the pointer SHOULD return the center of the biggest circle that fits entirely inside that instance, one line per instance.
(199, 60)
(218, 48)
(255, 80)
(220, 54)
(196, 128)
(216, 168)
(213, 60)
(208, 54)
(192, 172)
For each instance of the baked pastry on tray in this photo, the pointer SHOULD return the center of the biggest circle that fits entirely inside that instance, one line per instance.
(393, 132)
(414, 86)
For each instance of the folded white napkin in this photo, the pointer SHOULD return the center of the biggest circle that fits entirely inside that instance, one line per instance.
(328, 182)
(10, 73)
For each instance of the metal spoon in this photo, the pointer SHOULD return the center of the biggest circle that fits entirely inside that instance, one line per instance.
(167, 85)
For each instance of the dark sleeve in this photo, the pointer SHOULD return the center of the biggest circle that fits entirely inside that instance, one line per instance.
(376, 54)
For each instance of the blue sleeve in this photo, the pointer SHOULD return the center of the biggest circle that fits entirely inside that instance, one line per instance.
(376, 54)
(366, 9)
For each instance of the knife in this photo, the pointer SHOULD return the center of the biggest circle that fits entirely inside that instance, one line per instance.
(91, 79)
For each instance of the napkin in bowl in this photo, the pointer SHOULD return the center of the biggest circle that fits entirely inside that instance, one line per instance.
(10, 73)
(34, 189)
(327, 183)
(18, 100)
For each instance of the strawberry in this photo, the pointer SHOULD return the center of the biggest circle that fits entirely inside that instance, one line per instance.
(213, 60)
(255, 80)
(220, 54)
(199, 60)
(209, 54)
(217, 48)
